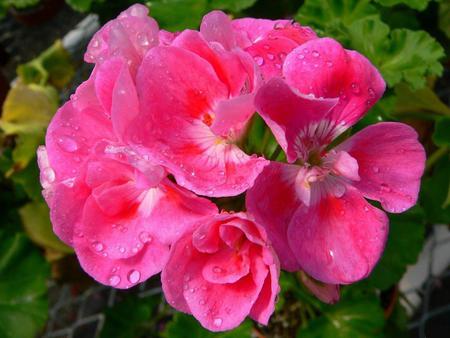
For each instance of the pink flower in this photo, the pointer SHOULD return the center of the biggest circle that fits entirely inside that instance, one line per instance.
(223, 271)
(196, 99)
(110, 200)
(267, 41)
(317, 203)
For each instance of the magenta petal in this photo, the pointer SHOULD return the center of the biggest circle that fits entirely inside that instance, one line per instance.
(325, 69)
(216, 27)
(122, 273)
(130, 36)
(338, 240)
(391, 162)
(226, 266)
(327, 293)
(105, 80)
(249, 30)
(265, 304)
(272, 201)
(290, 116)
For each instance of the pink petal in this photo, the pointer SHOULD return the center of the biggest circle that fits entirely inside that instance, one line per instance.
(272, 201)
(327, 293)
(122, 273)
(338, 240)
(269, 55)
(216, 26)
(105, 80)
(220, 307)
(251, 30)
(265, 304)
(226, 266)
(130, 36)
(291, 116)
(322, 67)
(230, 67)
(391, 162)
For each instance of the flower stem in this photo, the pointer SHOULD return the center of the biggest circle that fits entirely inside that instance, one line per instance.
(436, 156)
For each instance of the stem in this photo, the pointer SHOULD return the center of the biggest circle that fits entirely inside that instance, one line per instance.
(436, 156)
(275, 153)
(265, 140)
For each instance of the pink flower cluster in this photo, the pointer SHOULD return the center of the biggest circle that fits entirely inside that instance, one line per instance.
(162, 120)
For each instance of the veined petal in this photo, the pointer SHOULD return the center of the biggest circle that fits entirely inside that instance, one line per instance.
(391, 162)
(339, 239)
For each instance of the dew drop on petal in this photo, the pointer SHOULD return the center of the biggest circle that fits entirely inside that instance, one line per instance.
(145, 237)
(315, 53)
(98, 246)
(270, 56)
(114, 280)
(355, 88)
(329, 64)
(216, 269)
(49, 175)
(68, 144)
(259, 60)
(301, 56)
(217, 321)
(375, 169)
(134, 276)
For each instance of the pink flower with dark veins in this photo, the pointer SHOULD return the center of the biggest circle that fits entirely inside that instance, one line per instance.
(110, 201)
(316, 203)
(222, 272)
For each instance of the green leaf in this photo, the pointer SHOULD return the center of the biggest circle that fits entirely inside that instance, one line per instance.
(406, 236)
(28, 179)
(425, 99)
(53, 66)
(400, 54)
(178, 14)
(80, 5)
(232, 5)
(441, 135)
(354, 316)
(396, 323)
(332, 17)
(416, 4)
(36, 221)
(185, 326)
(22, 4)
(435, 193)
(129, 318)
(23, 289)
(444, 17)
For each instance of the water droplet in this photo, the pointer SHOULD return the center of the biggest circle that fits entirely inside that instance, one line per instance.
(371, 93)
(329, 64)
(202, 302)
(217, 321)
(142, 39)
(192, 290)
(355, 88)
(270, 56)
(68, 144)
(145, 237)
(385, 188)
(315, 53)
(122, 249)
(216, 269)
(266, 47)
(98, 246)
(375, 169)
(278, 25)
(366, 209)
(187, 278)
(114, 280)
(134, 276)
(49, 174)
(282, 55)
(331, 253)
(278, 66)
(301, 56)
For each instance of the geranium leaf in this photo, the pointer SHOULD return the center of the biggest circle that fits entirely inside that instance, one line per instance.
(406, 236)
(416, 4)
(185, 326)
(23, 289)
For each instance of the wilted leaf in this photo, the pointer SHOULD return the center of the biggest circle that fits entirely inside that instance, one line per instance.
(23, 289)
(53, 66)
(36, 221)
